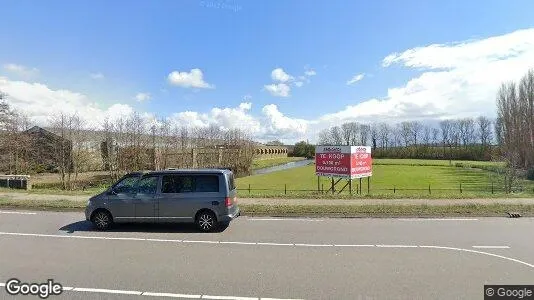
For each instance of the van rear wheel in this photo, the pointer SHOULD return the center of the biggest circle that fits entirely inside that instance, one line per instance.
(206, 221)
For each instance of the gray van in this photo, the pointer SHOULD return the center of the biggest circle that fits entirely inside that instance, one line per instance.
(206, 197)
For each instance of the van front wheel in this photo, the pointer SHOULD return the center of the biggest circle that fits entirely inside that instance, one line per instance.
(206, 221)
(102, 220)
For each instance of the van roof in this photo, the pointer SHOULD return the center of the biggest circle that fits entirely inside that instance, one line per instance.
(184, 171)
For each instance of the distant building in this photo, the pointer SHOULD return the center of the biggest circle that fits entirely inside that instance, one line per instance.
(263, 151)
(47, 150)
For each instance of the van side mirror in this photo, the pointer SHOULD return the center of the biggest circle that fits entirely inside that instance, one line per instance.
(112, 192)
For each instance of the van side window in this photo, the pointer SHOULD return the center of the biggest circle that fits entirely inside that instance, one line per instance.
(207, 183)
(126, 186)
(231, 184)
(177, 184)
(148, 185)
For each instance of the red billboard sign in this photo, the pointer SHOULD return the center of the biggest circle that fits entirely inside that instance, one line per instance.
(343, 161)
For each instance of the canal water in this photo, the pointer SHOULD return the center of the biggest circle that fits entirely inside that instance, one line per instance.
(294, 164)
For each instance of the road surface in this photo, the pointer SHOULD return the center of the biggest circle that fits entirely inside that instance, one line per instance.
(261, 258)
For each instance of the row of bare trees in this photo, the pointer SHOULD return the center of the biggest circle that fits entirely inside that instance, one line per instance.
(515, 121)
(135, 143)
(13, 146)
(69, 146)
(467, 138)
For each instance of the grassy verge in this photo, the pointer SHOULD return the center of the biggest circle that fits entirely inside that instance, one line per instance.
(379, 210)
(387, 210)
(397, 195)
(271, 162)
(52, 205)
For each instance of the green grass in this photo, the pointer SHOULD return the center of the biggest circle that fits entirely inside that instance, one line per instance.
(55, 191)
(434, 162)
(407, 178)
(317, 210)
(271, 162)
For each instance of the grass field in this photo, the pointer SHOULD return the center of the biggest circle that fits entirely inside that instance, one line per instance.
(390, 176)
(271, 162)
(434, 162)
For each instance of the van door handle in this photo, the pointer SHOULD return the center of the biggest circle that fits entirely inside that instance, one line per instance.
(215, 203)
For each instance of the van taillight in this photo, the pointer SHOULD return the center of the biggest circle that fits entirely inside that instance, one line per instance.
(228, 201)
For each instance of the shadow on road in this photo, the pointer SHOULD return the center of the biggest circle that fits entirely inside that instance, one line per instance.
(86, 226)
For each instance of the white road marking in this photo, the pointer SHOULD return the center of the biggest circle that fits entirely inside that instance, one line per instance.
(106, 291)
(238, 243)
(154, 294)
(314, 245)
(285, 219)
(277, 244)
(492, 247)
(202, 242)
(17, 212)
(481, 252)
(341, 245)
(171, 295)
(397, 246)
(277, 299)
(227, 297)
(163, 240)
(436, 219)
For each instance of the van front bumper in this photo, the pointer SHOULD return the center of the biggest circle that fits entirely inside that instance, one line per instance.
(228, 218)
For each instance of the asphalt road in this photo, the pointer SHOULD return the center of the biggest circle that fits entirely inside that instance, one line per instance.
(268, 258)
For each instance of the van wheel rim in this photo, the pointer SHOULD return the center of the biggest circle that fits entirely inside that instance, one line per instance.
(206, 222)
(101, 220)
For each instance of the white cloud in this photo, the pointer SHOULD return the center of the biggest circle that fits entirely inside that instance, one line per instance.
(40, 103)
(20, 70)
(277, 125)
(191, 79)
(310, 72)
(280, 75)
(283, 81)
(97, 76)
(278, 89)
(142, 97)
(224, 118)
(355, 79)
(458, 80)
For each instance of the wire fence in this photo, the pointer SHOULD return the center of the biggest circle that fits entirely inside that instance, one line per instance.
(364, 188)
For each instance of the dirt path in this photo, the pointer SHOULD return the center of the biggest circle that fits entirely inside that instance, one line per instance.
(278, 201)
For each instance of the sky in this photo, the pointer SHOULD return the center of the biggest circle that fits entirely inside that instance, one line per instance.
(280, 69)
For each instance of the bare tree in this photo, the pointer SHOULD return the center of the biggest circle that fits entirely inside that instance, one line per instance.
(346, 129)
(415, 128)
(62, 127)
(324, 137)
(336, 135)
(435, 136)
(427, 135)
(365, 131)
(484, 130)
(385, 135)
(406, 132)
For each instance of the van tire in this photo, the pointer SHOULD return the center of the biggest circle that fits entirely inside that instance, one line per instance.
(206, 221)
(102, 219)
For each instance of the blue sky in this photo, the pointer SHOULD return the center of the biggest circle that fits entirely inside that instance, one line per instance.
(110, 51)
